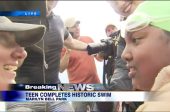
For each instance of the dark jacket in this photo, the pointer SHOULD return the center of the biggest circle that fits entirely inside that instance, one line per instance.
(120, 80)
(43, 60)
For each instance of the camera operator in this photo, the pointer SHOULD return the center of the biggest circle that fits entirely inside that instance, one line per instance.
(115, 69)
(111, 49)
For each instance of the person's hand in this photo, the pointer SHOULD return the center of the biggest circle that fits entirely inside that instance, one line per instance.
(68, 51)
(162, 78)
(101, 55)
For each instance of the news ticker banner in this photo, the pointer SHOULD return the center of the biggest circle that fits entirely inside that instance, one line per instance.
(69, 92)
(83, 96)
(20, 13)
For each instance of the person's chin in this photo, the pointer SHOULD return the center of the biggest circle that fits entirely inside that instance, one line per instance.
(13, 82)
(136, 85)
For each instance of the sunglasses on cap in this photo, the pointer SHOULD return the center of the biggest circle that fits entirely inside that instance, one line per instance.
(139, 21)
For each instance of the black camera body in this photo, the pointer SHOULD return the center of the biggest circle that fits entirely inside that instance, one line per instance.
(107, 46)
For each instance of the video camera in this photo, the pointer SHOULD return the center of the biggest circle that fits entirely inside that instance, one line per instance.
(107, 46)
(109, 49)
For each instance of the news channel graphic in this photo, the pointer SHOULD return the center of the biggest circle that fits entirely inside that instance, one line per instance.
(68, 92)
(26, 8)
(20, 13)
(57, 87)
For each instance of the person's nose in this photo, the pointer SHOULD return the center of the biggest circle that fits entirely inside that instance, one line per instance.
(126, 54)
(19, 53)
(77, 27)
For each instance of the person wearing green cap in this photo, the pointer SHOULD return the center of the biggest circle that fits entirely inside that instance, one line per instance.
(120, 80)
(147, 52)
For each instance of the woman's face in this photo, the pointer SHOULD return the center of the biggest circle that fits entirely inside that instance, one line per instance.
(147, 51)
(12, 55)
(124, 7)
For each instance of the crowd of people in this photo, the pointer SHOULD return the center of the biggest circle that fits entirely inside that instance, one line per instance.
(34, 51)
